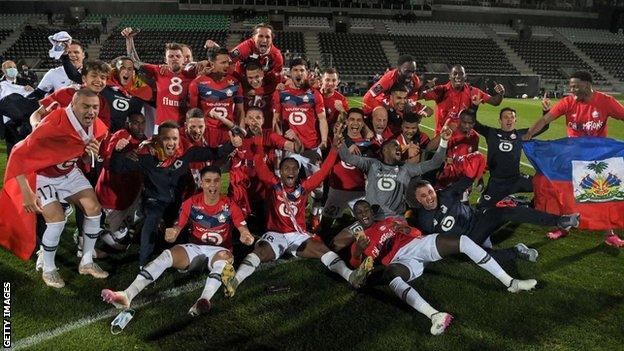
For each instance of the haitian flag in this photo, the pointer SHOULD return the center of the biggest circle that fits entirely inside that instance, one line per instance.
(583, 175)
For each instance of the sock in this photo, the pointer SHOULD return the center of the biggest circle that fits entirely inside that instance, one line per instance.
(213, 282)
(149, 273)
(91, 228)
(483, 259)
(411, 297)
(49, 242)
(336, 264)
(247, 267)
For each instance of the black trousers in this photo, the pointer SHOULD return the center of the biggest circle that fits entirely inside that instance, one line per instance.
(489, 220)
(498, 188)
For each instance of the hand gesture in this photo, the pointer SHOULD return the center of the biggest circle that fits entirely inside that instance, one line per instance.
(28, 88)
(355, 150)
(361, 240)
(499, 89)
(128, 32)
(413, 150)
(204, 68)
(290, 134)
(545, 102)
(210, 44)
(93, 148)
(338, 106)
(121, 144)
(446, 131)
(171, 234)
(236, 140)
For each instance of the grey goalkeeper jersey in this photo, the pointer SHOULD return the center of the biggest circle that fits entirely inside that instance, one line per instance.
(386, 185)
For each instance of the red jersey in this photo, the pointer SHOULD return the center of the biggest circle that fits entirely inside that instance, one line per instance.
(216, 96)
(113, 190)
(245, 186)
(262, 98)
(211, 224)
(462, 144)
(271, 63)
(375, 95)
(64, 97)
(186, 143)
(450, 102)
(171, 93)
(286, 206)
(299, 110)
(330, 107)
(386, 240)
(348, 177)
(588, 118)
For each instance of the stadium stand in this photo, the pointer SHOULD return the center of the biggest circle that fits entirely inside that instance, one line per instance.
(538, 55)
(364, 23)
(609, 56)
(177, 22)
(308, 22)
(476, 55)
(436, 29)
(33, 43)
(355, 54)
(584, 35)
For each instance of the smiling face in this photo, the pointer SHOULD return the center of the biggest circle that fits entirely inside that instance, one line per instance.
(355, 123)
(169, 140)
(380, 122)
(329, 83)
(458, 77)
(263, 38)
(126, 71)
(255, 77)
(363, 212)
(95, 81)
(211, 186)
(86, 109)
(508, 121)
(466, 123)
(407, 70)
(580, 89)
(427, 197)
(76, 55)
(195, 128)
(221, 64)
(391, 152)
(409, 129)
(289, 172)
(399, 100)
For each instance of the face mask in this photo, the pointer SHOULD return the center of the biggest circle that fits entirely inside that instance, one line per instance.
(11, 72)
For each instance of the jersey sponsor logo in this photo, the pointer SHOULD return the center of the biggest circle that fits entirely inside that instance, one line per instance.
(297, 118)
(587, 126)
(386, 184)
(447, 223)
(212, 238)
(121, 104)
(168, 102)
(505, 146)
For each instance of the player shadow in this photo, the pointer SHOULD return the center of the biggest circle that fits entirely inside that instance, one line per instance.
(568, 260)
(170, 329)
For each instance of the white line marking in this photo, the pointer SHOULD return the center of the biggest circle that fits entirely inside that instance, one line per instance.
(480, 147)
(109, 313)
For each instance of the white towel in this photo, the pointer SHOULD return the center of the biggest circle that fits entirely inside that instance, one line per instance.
(58, 41)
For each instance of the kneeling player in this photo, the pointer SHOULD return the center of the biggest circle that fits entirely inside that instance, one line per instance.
(287, 199)
(212, 217)
(405, 251)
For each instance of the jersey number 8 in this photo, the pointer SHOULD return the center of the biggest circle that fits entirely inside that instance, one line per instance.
(175, 87)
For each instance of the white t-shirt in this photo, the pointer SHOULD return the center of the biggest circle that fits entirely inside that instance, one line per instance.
(54, 79)
(7, 87)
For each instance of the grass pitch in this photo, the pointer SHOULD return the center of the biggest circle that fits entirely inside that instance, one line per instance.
(578, 305)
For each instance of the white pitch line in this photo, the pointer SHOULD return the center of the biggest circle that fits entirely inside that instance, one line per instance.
(480, 147)
(83, 322)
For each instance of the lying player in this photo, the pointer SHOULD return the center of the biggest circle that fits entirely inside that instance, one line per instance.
(405, 251)
(287, 199)
(211, 217)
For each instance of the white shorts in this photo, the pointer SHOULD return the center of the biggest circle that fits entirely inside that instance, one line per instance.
(116, 219)
(199, 255)
(284, 242)
(338, 200)
(51, 190)
(416, 254)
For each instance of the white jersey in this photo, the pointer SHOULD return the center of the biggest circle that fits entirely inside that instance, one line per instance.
(54, 79)
(7, 87)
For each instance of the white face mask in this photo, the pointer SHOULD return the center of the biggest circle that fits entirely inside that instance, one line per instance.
(11, 72)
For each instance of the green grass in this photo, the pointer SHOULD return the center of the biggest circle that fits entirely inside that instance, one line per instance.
(579, 303)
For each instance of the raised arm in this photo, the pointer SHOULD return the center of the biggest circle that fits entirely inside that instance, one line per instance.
(437, 160)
